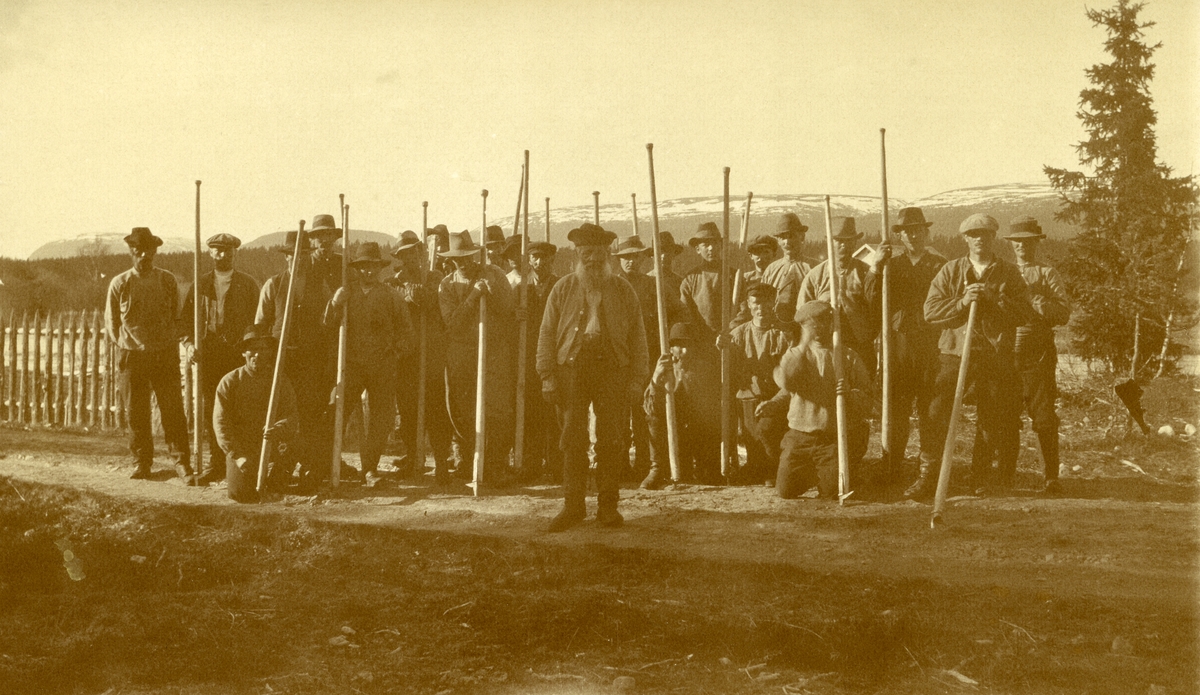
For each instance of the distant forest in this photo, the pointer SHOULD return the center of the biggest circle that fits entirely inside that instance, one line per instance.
(54, 285)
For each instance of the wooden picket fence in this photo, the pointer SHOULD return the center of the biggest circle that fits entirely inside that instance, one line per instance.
(58, 370)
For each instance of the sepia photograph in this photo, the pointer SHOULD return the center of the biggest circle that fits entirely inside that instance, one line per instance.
(550, 347)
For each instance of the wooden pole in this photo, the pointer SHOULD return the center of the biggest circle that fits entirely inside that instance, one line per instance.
(418, 452)
(745, 231)
(664, 343)
(943, 484)
(523, 327)
(839, 372)
(35, 402)
(339, 389)
(728, 450)
(197, 339)
(547, 220)
(10, 368)
(72, 363)
(633, 202)
(885, 329)
(596, 207)
(481, 364)
(264, 457)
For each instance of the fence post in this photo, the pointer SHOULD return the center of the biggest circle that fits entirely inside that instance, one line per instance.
(5, 355)
(81, 409)
(35, 403)
(73, 383)
(14, 408)
(94, 396)
(24, 367)
(102, 376)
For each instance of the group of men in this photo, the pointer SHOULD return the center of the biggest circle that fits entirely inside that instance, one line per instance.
(588, 346)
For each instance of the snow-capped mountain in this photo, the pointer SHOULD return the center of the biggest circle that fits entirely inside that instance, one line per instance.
(101, 244)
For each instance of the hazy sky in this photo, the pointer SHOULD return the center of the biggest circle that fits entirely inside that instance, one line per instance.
(111, 109)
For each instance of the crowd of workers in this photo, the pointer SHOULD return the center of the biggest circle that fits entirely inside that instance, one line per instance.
(600, 394)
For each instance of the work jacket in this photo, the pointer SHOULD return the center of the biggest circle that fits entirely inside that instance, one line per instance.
(565, 317)
(142, 311)
(996, 320)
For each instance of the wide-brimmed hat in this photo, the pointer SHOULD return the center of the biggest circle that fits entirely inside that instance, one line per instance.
(512, 247)
(494, 238)
(979, 222)
(323, 225)
(707, 232)
(408, 240)
(141, 237)
(223, 241)
(1024, 227)
(789, 224)
(682, 333)
(368, 253)
(813, 310)
(542, 248)
(667, 245)
(762, 244)
(633, 245)
(257, 335)
(910, 218)
(765, 291)
(588, 234)
(442, 234)
(289, 243)
(460, 244)
(844, 229)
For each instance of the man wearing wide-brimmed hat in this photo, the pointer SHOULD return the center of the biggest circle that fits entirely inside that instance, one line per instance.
(631, 255)
(700, 291)
(141, 318)
(228, 300)
(1035, 354)
(914, 342)
(459, 296)
(326, 261)
(592, 352)
(417, 284)
(809, 451)
(787, 274)
(669, 250)
(542, 457)
(240, 413)
(1003, 300)
(310, 358)
(858, 295)
(687, 371)
(758, 345)
(378, 333)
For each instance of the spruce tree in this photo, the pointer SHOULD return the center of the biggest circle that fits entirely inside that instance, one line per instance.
(1134, 215)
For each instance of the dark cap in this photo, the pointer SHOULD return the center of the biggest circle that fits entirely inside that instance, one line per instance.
(813, 310)
(223, 241)
(1024, 227)
(763, 244)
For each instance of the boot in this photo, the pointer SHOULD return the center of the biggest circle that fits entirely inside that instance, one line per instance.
(573, 512)
(925, 484)
(184, 470)
(142, 472)
(606, 511)
(656, 479)
(1049, 446)
(209, 474)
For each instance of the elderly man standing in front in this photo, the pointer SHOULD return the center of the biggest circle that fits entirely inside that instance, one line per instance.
(592, 352)
(141, 319)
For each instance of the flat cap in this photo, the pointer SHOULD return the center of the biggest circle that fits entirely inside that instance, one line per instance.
(682, 332)
(541, 248)
(813, 310)
(763, 244)
(1024, 227)
(979, 222)
(765, 291)
(227, 241)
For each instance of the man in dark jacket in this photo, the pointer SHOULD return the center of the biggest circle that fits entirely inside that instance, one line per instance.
(1003, 300)
(592, 352)
(141, 319)
(631, 255)
(228, 300)
(541, 454)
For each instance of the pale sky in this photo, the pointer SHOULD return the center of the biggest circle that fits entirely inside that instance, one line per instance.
(112, 109)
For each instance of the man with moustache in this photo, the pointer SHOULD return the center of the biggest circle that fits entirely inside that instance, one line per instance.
(592, 352)
(758, 345)
(141, 320)
(228, 300)
(700, 291)
(418, 287)
(631, 256)
(542, 457)
(458, 297)
(787, 274)
(763, 250)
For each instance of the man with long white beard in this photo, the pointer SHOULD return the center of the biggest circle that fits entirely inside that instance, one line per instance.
(592, 352)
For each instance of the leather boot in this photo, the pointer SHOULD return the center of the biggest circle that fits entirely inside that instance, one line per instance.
(209, 474)
(656, 479)
(925, 484)
(573, 512)
(142, 472)
(1049, 446)
(184, 470)
(606, 509)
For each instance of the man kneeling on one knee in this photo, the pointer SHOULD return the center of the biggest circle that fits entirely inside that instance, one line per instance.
(809, 454)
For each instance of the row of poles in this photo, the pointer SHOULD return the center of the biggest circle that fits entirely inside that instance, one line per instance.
(727, 421)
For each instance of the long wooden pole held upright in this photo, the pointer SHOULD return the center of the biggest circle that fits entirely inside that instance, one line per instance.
(596, 207)
(943, 484)
(727, 443)
(736, 297)
(547, 220)
(885, 328)
(339, 390)
(745, 231)
(198, 390)
(633, 202)
(523, 326)
(839, 371)
(481, 364)
(264, 457)
(661, 299)
(418, 453)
